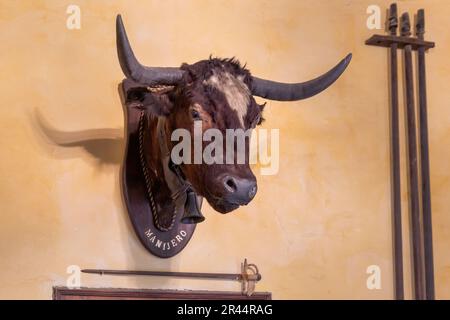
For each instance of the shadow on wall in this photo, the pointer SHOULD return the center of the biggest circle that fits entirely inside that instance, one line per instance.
(104, 145)
(105, 149)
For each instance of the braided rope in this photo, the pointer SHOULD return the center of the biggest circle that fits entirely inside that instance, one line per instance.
(148, 180)
(159, 88)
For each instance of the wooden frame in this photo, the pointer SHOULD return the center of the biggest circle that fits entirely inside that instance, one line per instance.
(64, 293)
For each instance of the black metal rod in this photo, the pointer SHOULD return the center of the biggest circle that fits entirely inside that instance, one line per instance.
(425, 163)
(412, 166)
(216, 276)
(395, 166)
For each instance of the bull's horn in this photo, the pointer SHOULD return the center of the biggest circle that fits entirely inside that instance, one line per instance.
(134, 70)
(296, 91)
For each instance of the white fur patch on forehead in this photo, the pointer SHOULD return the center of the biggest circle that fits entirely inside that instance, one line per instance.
(235, 90)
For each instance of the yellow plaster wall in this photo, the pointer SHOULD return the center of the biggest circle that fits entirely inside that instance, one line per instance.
(313, 229)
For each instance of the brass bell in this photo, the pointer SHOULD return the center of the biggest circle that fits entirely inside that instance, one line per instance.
(192, 212)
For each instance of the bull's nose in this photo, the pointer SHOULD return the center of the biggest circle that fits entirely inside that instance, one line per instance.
(240, 191)
(252, 191)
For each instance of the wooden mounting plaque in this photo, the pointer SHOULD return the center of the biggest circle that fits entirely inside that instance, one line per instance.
(163, 244)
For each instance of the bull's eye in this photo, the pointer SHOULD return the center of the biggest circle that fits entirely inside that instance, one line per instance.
(195, 115)
(256, 121)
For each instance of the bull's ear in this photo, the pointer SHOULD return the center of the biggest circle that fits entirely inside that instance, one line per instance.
(156, 102)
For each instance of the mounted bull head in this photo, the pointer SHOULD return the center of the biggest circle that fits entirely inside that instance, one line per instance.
(219, 93)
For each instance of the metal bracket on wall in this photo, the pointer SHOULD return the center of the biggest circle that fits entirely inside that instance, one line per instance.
(248, 277)
(401, 41)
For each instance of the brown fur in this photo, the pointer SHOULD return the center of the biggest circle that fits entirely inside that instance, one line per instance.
(193, 96)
